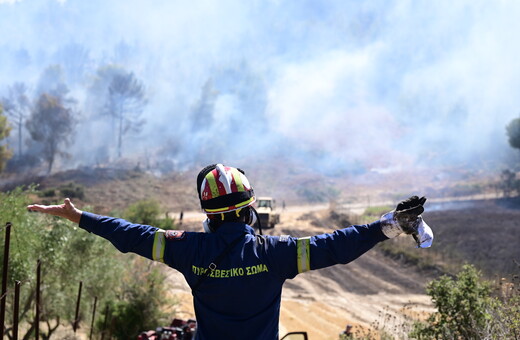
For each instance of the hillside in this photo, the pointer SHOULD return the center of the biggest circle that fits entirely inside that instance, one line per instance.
(367, 292)
(482, 232)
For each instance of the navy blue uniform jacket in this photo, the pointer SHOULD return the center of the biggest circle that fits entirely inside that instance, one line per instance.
(241, 298)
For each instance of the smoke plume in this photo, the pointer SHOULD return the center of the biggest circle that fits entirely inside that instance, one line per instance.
(343, 86)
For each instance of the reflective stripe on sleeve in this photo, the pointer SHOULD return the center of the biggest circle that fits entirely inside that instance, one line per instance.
(159, 243)
(303, 249)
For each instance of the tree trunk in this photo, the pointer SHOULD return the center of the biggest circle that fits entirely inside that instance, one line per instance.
(53, 147)
(20, 137)
(120, 139)
(29, 332)
(51, 161)
(51, 329)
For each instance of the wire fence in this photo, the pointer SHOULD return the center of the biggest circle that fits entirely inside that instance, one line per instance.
(12, 332)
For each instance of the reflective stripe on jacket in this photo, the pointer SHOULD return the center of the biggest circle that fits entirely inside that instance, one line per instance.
(241, 298)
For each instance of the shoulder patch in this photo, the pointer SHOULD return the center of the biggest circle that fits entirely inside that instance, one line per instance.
(174, 235)
(283, 238)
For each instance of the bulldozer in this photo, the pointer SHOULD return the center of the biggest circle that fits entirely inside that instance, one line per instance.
(267, 212)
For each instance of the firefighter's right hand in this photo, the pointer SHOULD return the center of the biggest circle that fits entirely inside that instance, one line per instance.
(66, 210)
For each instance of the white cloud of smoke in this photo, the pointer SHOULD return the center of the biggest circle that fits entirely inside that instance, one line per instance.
(345, 84)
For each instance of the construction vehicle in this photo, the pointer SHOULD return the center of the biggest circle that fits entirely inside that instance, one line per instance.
(267, 212)
(185, 330)
(178, 330)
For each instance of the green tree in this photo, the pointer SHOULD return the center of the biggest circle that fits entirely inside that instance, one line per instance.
(126, 98)
(119, 95)
(513, 133)
(5, 129)
(51, 124)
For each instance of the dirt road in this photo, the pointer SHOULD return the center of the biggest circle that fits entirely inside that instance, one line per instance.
(368, 293)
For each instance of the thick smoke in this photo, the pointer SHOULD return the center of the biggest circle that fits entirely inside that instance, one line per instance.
(337, 85)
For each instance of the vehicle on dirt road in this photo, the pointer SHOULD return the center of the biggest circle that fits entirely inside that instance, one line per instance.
(268, 215)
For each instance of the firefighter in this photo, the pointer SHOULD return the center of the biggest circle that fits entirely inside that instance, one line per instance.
(237, 276)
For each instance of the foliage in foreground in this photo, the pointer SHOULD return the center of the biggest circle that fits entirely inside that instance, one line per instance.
(68, 255)
(466, 309)
(5, 129)
(140, 303)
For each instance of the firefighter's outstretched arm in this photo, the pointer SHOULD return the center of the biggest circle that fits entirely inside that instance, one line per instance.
(66, 210)
(125, 236)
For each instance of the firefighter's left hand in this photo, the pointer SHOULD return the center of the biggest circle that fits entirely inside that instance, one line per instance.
(407, 213)
(66, 210)
(405, 218)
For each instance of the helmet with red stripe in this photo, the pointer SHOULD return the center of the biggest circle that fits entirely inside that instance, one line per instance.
(223, 189)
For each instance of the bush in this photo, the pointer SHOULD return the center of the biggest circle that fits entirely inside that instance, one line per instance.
(5, 152)
(467, 310)
(141, 304)
(24, 163)
(48, 193)
(72, 190)
(148, 212)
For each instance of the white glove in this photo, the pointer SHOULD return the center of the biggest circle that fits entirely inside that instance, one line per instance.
(424, 236)
(391, 228)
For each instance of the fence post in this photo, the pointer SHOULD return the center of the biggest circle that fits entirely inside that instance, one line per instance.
(76, 316)
(3, 296)
(16, 311)
(93, 318)
(38, 297)
(105, 323)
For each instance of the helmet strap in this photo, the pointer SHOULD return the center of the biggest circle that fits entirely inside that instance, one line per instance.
(212, 222)
(255, 219)
(207, 226)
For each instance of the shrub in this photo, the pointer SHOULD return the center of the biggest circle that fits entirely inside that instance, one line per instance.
(148, 212)
(67, 256)
(467, 310)
(48, 193)
(141, 304)
(72, 190)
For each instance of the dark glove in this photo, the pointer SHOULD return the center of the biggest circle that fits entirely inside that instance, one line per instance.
(407, 213)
